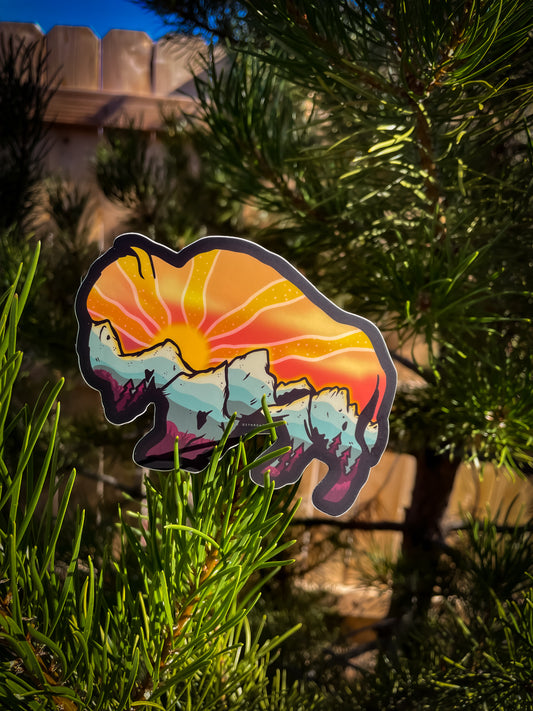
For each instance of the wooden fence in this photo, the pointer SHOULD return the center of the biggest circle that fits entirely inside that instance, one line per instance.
(123, 76)
(114, 81)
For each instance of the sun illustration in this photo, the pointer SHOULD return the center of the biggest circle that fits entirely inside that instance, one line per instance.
(192, 343)
(222, 304)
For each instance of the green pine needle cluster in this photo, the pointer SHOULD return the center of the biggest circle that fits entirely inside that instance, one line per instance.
(162, 623)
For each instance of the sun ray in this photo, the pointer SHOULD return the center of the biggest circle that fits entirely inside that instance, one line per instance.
(135, 292)
(244, 304)
(124, 311)
(335, 353)
(255, 316)
(170, 287)
(163, 303)
(193, 294)
(294, 339)
(148, 271)
(183, 295)
(204, 290)
(126, 334)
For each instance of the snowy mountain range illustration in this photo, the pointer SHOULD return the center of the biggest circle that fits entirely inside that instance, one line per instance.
(196, 407)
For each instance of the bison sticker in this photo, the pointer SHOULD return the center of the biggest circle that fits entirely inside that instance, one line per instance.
(208, 332)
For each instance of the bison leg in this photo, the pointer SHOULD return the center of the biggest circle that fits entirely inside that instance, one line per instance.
(345, 442)
(288, 468)
(338, 490)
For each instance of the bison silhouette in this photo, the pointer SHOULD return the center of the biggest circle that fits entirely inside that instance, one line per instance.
(218, 328)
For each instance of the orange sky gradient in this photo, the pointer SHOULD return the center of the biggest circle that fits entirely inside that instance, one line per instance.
(222, 304)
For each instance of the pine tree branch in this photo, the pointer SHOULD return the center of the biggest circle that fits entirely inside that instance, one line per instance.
(351, 525)
(400, 526)
(414, 96)
(373, 80)
(133, 490)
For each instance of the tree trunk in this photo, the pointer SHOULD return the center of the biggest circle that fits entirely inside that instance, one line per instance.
(417, 568)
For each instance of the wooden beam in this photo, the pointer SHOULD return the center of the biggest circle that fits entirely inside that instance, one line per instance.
(100, 109)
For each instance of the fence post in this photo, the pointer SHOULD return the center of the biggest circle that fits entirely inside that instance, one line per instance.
(74, 57)
(127, 62)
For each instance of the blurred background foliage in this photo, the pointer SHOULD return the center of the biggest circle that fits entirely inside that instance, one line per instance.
(169, 193)
(385, 149)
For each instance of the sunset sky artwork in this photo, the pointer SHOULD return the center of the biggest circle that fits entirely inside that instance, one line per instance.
(222, 303)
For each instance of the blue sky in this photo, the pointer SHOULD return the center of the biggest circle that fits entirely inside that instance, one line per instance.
(100, 15)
